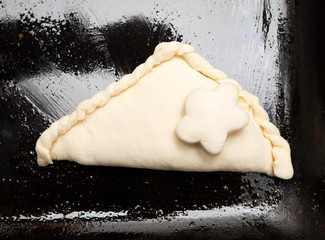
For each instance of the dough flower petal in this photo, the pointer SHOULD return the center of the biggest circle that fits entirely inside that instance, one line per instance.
(210, 116)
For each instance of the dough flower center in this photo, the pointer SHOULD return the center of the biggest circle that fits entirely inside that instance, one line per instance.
(210, 116)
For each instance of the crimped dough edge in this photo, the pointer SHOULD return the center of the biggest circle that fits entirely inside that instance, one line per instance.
(282, 166)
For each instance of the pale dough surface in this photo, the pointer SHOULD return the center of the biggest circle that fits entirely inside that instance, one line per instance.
(211, 115)
(132, 123)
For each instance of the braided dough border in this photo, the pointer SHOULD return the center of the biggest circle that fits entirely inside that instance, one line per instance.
(282, 166)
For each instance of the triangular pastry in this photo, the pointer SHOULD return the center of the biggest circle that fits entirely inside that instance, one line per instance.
(174, 112)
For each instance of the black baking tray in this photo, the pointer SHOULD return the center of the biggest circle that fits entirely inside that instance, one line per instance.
(53, 54)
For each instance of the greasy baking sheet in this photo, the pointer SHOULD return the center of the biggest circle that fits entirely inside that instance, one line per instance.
(54, 54)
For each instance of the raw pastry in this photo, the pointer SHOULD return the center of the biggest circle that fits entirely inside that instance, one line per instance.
(210, 116)
(133, 123)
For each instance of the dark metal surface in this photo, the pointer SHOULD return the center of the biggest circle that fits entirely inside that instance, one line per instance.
(54, 54)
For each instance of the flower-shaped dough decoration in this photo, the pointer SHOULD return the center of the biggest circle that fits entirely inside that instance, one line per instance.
(210, 116)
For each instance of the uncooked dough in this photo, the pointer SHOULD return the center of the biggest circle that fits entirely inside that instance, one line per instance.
(132, 123)
(210, 116)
